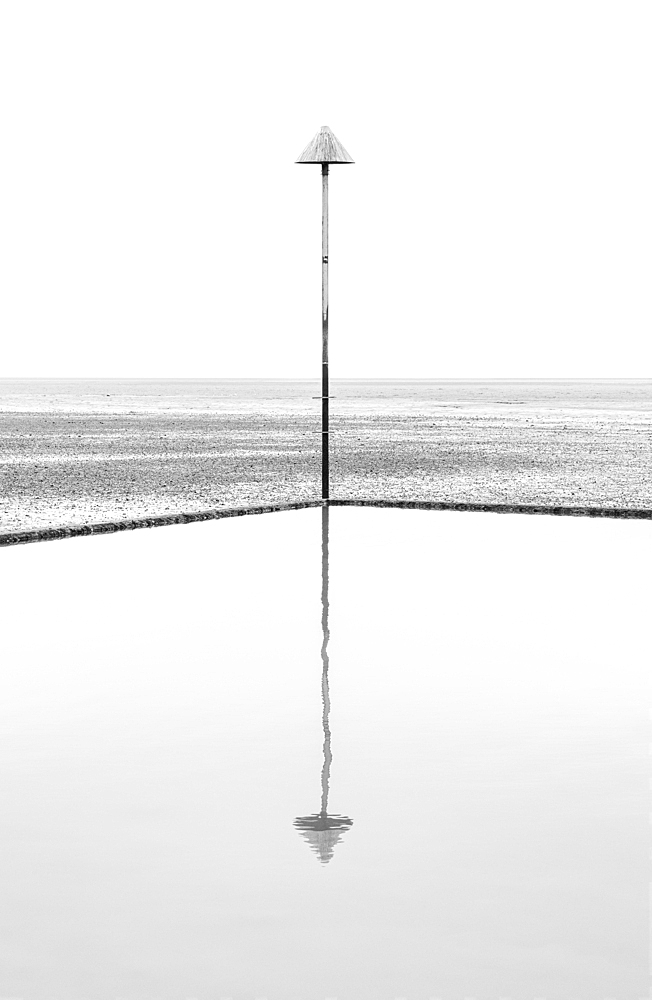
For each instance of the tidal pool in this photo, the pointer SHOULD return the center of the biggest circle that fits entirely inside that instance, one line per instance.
(235, 765)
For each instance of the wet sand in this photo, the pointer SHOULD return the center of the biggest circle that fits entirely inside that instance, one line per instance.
(66, 468)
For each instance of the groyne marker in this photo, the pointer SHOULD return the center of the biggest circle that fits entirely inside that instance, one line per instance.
(325, 149)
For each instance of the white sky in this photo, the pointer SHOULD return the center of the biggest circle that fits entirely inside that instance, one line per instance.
(496, 223)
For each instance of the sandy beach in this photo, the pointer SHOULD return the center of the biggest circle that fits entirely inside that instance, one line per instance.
(123, 454)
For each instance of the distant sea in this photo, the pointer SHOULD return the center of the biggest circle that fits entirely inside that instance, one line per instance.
(294, 395)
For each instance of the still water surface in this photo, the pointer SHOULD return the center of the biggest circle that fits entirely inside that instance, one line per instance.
(278, 396)
(486, 706)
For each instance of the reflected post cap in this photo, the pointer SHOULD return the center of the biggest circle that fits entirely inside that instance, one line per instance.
(324, 148)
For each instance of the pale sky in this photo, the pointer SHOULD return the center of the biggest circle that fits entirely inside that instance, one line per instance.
(497, 221)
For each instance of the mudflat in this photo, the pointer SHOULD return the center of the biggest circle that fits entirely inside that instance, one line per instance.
(74, 455)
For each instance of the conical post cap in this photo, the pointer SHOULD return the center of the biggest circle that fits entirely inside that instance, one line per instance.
(324, 148)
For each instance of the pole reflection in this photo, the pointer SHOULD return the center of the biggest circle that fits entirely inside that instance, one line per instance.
(323, 830)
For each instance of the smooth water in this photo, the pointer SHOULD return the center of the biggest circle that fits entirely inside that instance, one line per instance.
(470, 690)
(296, 395)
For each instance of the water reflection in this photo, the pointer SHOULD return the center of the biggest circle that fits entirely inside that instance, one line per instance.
(321, 830)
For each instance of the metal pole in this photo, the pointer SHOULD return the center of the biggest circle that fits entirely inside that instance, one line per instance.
(325, 490)
(325, 148)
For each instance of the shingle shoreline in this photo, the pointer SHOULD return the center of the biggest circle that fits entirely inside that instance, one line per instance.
(502, 508)
(155, 521)
(158, 520)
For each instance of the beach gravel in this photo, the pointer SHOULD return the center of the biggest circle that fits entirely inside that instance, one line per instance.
(59, 468)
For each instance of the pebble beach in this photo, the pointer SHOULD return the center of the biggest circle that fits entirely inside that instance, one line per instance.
(89, 451)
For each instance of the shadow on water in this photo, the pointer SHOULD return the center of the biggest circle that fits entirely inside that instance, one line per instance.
(323, 830)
